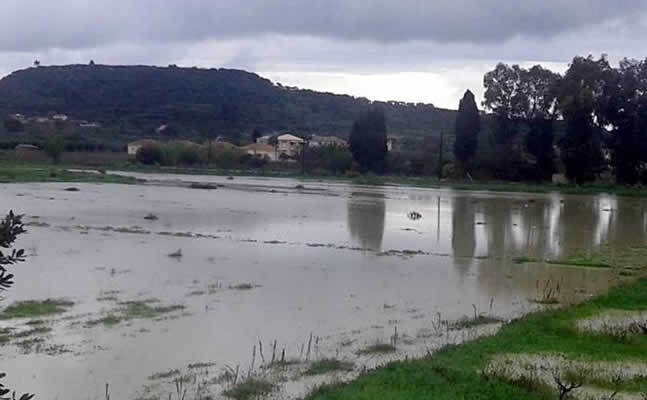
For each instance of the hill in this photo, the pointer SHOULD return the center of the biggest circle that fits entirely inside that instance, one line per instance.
(221, 101)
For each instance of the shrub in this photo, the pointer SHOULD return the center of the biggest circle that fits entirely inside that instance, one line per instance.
(149, 155)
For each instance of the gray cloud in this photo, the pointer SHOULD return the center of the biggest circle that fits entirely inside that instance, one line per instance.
(32, 25)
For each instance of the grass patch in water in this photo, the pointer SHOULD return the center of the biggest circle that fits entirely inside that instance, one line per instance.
(524, 260)
(135, 310)
(467, 323)
(250, 389)
(243, 286)
(34, 309)
(378, 348)
(328, 365)
(42, 330)
(583, 262)
(164, 375)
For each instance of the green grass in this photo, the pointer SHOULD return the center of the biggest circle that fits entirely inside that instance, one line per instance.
(35, 309)
(33, 174)
(378, 348)
(42, 330)
(328, 365)
(135, 310)
(454, 372)
(250, 389)
(584, 262)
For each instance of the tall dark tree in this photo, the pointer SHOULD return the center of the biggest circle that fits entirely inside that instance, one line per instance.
(256, 134)
(504, 98)
(368, 141)
(468, 126)
(583, 95)
(627, 120)
(538, 110)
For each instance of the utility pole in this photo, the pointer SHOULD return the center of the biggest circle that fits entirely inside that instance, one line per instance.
(440, 155)
(304, 147)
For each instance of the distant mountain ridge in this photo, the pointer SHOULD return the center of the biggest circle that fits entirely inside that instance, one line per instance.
(224, 100)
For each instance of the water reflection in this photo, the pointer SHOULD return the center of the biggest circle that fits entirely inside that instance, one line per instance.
(366, 215)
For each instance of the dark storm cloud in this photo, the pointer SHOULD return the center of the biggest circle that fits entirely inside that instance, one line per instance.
(32, 25)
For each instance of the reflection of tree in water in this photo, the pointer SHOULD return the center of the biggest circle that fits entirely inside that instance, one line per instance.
(463, 235)
(366, 214)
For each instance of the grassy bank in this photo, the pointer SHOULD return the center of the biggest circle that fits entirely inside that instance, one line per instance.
(36, 174)
(468, 371)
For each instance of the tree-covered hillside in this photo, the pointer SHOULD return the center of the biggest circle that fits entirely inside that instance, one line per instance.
(220, 101)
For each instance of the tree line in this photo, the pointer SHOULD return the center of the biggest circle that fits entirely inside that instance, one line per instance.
(590, 121)
(602, 110)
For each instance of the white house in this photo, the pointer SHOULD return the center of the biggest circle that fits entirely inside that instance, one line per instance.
(261, 151)
(264, 139)
(60, 117)
(133, 147)
(289, 145)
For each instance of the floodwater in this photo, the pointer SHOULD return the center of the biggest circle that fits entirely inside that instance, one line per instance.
(344, 263)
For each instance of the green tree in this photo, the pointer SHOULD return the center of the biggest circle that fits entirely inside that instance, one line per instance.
(539, 88)
(54, 147)
(627, 117)
(10, 228)
(468, 126)
(583, 94)
(13, 125)
(504, 98)
(368, 141)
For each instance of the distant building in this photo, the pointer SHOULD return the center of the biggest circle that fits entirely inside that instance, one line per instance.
(328, 141)
(89, 125)
(26, 150)
(394, 143)
(60, 117)
(264, 139)
(289, 145)
(261, 150)
(133, 147)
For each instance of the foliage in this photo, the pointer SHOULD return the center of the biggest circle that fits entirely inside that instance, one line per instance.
(13, 125)
(468, 125)
(582, 98)
(368, 141)
(149, 154)
(10, 228)
(54, 147)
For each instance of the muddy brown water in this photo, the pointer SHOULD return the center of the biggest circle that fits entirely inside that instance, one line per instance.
(343, 262)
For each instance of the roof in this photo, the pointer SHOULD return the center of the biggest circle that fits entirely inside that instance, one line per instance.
(26, 147)
(259, 147)
(288, 136)
(143, 142)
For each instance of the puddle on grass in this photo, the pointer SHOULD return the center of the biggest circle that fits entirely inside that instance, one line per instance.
(263, 261)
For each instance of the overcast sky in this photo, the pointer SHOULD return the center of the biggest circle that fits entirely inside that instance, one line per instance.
(409, 50)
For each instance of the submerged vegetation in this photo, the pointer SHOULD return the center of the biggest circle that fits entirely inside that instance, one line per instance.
(34, 309)
(250, 389)
(135, 310)
(328, 365)
(33, 174)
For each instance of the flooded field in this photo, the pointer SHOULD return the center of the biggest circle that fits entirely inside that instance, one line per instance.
(199, 277)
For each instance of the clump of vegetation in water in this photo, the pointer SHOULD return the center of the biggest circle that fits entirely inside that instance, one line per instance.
(378, 348)
(165, 375)
(135, 310)
(33, 309)
(250, 389)
(328, 365)
(243, 286)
